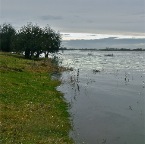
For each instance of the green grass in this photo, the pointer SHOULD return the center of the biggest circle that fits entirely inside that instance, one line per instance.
(32, 111)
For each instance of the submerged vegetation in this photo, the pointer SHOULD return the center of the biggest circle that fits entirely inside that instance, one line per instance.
(32, 110)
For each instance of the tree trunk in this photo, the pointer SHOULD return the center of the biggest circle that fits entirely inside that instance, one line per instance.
(46, 54)
(27, 53)
(37, 55)
(32, 54)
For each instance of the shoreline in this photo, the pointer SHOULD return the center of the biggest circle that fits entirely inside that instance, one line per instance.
(32, 110)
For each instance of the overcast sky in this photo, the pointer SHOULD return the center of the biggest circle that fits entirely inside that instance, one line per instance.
(89, 16)
(114, 17)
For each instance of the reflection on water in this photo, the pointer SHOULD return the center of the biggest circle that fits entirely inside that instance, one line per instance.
(106, 92)
(103, 60)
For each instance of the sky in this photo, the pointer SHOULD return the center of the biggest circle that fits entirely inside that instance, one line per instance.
(80, 19)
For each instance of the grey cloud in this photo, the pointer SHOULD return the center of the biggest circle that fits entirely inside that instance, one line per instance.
(89, 21)
(50, 17)
(106, 42)
(66, 34)
(78, 15)
(92, 35)
(139, 13)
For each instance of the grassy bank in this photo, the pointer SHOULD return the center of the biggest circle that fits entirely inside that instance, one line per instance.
(31, 110)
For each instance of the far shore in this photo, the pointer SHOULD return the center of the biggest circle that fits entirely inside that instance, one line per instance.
(106, 49)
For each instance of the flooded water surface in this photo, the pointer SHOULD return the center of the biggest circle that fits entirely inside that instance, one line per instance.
(106, 93)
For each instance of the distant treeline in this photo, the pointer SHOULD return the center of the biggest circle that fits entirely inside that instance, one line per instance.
(106, 49)
(122, 49)
(31, 40)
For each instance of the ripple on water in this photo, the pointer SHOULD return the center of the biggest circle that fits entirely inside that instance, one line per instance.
(106, 106)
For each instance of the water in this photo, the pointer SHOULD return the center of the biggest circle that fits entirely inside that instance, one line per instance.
(106, 96)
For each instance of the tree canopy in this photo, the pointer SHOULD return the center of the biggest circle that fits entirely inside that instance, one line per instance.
(6, 33)
(31, 39)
